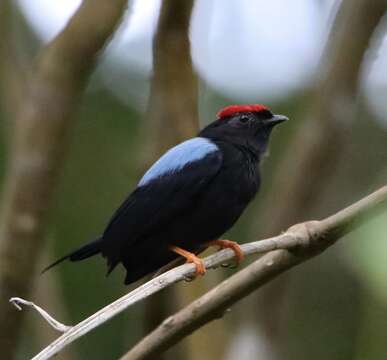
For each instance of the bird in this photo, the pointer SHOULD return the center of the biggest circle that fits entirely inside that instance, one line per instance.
(189, 197)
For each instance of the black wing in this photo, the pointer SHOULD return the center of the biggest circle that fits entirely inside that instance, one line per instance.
(157, 202)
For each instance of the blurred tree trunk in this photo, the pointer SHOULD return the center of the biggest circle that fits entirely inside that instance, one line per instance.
(313, 155)
(172, 117)
(12, 74)
(39, 142)
(172, 114)
(325, 132)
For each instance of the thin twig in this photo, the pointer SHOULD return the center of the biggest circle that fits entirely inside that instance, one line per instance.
(306, 239)
(54, 323)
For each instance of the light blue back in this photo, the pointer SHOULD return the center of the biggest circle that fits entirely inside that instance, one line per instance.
(179, 156)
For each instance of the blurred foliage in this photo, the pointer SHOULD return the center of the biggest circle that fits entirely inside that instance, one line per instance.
(95, 180)
(366, 256)
(336, 305)
(330, 305)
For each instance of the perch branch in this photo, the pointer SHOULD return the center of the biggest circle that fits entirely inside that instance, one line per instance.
(305, 240)
(300, 243)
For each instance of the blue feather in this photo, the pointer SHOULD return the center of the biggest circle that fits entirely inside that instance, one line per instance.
(178, 157)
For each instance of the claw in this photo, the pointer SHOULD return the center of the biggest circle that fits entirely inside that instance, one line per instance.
(191, 258)
(228, 244)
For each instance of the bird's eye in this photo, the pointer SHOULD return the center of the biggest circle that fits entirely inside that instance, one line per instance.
(244, 119)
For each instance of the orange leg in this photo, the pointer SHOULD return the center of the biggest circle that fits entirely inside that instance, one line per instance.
(228, 244)
(191, 258)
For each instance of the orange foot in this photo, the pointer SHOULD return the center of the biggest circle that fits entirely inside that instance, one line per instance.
(191, 258)
(228, 244)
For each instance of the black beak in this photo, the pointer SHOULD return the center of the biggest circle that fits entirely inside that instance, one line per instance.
(277, 119)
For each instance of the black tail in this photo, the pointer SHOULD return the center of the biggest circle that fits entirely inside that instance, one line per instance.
(90, 249)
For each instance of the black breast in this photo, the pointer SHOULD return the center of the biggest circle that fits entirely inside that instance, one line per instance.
(206, 216)
(218, 208)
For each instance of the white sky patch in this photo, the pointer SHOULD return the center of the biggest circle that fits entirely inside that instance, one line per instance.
(244, 49)
(258, 49)
(143, 19)
(248, 50)
(132, 47)
(48, 17)
(375, 78)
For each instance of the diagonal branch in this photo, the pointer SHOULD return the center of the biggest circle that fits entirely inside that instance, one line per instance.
(43, 122)
(305, 240)
(300, 243)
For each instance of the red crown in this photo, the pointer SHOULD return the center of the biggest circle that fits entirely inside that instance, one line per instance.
(233, 109)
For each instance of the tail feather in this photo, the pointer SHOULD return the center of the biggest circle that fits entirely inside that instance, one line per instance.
(86, 251)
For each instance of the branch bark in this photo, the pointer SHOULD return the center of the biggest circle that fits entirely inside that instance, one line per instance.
(300, 243)
(297, 245)
(39, 142)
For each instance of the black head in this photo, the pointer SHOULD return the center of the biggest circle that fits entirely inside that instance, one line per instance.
(246, 125)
